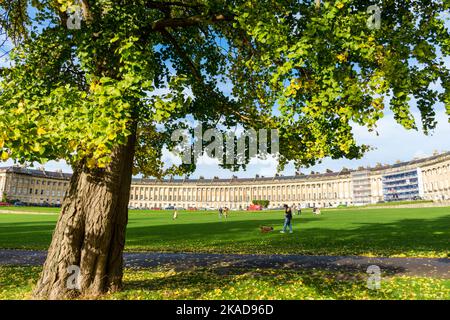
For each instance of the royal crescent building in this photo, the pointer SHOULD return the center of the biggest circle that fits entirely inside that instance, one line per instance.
(425, 178)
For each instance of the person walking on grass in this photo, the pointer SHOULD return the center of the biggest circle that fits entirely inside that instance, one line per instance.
(316, 210)
(225, 212)
(299, 209)
(287, 219)
(175, 214)
(220, 212)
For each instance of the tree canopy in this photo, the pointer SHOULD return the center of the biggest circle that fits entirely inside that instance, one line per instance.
(311, 72)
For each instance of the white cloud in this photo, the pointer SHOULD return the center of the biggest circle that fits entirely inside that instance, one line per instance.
(170, 158)
(207, 161)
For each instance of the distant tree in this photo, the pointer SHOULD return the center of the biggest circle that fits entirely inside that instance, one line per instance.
(5, 197)
(262, 203)
(107, 96)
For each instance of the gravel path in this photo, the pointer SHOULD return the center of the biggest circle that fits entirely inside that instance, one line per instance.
(426, 267)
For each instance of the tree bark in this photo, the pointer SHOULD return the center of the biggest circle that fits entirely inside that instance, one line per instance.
(90, 233)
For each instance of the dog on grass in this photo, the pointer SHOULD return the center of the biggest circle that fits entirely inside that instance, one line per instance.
(265, 229)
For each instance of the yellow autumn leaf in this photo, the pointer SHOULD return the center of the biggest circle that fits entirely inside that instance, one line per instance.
(72, 144)
(19, 110)
(36, 147)
(112, 136)
(342, 57)
(91, 163)
(101, 165)
(5, 156)
(339, 5)
(94, 86)
(101, 147)
(41, 131)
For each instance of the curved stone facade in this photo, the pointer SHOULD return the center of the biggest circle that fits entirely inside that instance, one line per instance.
(428, 178)
(324, 190)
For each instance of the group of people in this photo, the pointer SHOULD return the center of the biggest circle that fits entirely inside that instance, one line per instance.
(297, 208)
(223, 212)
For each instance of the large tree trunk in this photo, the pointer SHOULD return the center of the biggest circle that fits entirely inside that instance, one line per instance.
(90, 233)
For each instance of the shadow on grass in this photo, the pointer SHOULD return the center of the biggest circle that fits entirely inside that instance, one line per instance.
(31, 235)
(412, 237)
(200, 284)
(251, 283)
(407, 236)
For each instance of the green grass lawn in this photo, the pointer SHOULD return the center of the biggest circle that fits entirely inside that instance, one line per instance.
(399, 203)
(378, 232)
(421, 232)
(211, 284)
(386, 204)
(32, 209)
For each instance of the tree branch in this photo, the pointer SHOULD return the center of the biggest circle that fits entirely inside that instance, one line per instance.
(162, 24)
(182, 54)
(197, 75)
(164, 4)
(86, 11)
(318, 4)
